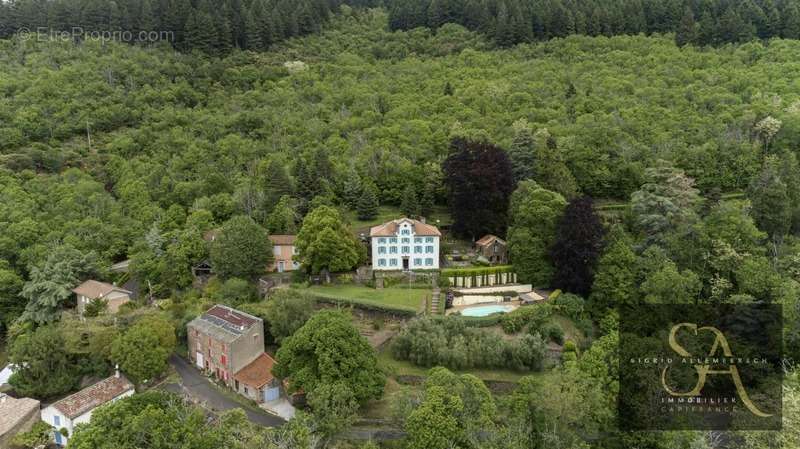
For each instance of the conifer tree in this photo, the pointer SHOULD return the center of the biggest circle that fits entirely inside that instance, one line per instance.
(367, 207)
(409, 204)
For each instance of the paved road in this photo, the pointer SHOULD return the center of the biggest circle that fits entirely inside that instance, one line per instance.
(199, 387)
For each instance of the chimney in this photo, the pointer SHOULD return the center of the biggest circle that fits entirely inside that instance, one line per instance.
(116, 371)
(422, 220)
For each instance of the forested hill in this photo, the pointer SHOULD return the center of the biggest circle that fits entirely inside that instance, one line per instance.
(708, 22)
(216, 27)
(126, 151)
(212, 26)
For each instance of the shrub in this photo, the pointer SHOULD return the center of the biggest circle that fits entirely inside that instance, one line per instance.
(554, 333)
(533, 316)
(570, 346)
(452, 342)
(570, 305)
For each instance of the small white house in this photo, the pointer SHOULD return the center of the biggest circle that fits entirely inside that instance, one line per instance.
(77, 408)
(405, 244)
(114, 296)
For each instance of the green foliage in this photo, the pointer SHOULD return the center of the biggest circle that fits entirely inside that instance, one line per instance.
(334, 408)
(284, 313)
(451, 342)
(324, 243)
(233, 291)
(51, 285)
(39, 435)
(615, 281)
(534, 212)
(434, 424)
(241, 249)
(283, 218)
(142, 351)
(95, 307)
(534, 316)
(554, 333)
(44, 368)
(367, 204)
(328, 349)
(570, 305)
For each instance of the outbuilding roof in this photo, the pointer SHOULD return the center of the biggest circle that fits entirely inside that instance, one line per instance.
(224, 323)
(389, 229)
(93, 396)
(96, 289)
(488, 239)
(257, 373)
(12, 411)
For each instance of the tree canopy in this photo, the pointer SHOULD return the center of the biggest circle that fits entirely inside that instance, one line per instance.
(327, 350)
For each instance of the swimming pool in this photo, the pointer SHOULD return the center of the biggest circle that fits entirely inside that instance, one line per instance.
(486, 310)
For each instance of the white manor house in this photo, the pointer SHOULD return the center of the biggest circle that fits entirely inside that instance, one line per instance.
(405, 244)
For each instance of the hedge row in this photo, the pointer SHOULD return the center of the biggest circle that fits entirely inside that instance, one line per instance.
(365, 304)
(477, 271)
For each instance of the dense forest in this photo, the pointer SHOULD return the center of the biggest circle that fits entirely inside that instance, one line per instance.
(212, 27)
(709, 22)
(217, 27)
(621, 168)
(126, 151)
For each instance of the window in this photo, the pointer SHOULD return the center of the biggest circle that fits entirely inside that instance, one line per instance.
(417, 261)
(393, 262)
(382, 240)
(223, 360)
(276, 250)
(406, 240)
(429, 262)
(245, 390)
(406, 249)
(381, 262)
(381, 250)
(417, 239)
(428, 239)
(392, 250)
(393, 240)
(405, 232)
(429, 249)
(56, 420)
(417, 249)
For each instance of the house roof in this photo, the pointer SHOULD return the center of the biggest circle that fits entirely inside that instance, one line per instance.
(12, 411)
(282, 240)
(96, 289)
(389, 229)
(224, 323)
(488, 239)
(94, 396)
(257, 373)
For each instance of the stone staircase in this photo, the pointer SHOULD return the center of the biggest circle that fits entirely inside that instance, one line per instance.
(434, 304)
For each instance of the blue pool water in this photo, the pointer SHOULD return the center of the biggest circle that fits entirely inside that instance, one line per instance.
(486, 310)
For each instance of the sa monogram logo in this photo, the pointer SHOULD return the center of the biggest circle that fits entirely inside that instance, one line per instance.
(704, 370)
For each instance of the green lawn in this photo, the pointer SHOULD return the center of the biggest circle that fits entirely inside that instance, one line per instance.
(404, 298)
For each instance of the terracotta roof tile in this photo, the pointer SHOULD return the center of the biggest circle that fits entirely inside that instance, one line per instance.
(389, 228)
(258, 372)
(279, 239)
(94, 396)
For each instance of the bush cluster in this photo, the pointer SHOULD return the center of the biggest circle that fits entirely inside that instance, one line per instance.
(535, 316)
(451, 342)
